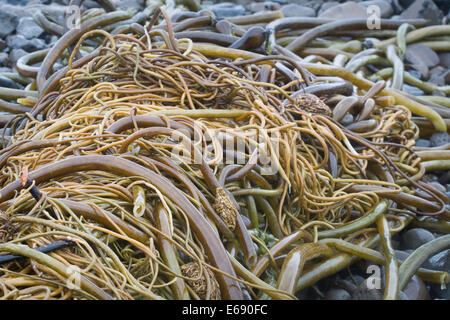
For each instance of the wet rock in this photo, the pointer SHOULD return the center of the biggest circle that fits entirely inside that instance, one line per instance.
(416, 289)
(412, 90)
(134, 4)
(425, 9)
(440, 293)
(8, 23)
(2, 45)
(337, 294)
(4, 59)
(439, 139)
(295, 10)
(20, 42)
(264, 6)
(440, 261)
(227, 9)
(28, 28)
(365, 293)
(402, 296)
(439, 76)
(420, 53)
(8, 83)
(445, 178)
(348, 119)
(15, 55)
(423, 143)
(347, 10)
(327, 5)
(414, 238)
(444, 59)
(386, 9)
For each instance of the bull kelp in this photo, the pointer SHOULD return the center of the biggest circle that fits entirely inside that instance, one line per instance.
(196, 159)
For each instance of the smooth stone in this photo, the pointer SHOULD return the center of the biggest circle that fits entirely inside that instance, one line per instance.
(8, 23)
(445, 178)
(420, 53)
(439, 293)
(438, 186)
(28, 28)
(227, 9)
(337, 294)
(417, 73)
(295, 10)
(8, 83)
(412, 90)
(402, 296)
(264, 6)
(15, 55)
(425, 9)
(386, 9)
(327, 5)
(414, 238)
(423, 143)
(2, 44)
(440, 261)
(347, 119)
(137, 5)
(416, 289)
(439, 139)
(4, 57)
(347, 10)
(444, 59)
(439, 76)
(20, 42)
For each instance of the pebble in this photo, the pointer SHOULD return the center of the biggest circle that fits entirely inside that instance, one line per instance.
(327, 5)
(337, 294)
(3, 45)
(134, 4)
(423, 143)
(445, 178)
(439, 76)
(28, 28)
(4, 59)
(227, 9)
(440, 261)
(20, 42)
(8, 23)
(8, 83)
(425, 9)
(264, 6)
(444, 59)
(439, 293)
(414, 238)
(295, 10)
(420, 53)
(439, 139)
(348, 118)
(412, 90)
(386, 9)
(347, 10)
(416, 289)
(15, 55)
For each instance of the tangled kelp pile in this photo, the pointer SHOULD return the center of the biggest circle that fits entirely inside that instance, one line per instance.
(195, 159)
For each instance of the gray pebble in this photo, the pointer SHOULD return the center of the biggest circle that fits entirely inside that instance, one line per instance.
(414, 238)
(348, 119)
(20, 42)
(15, 55)
(423, 143)
(439, 139)
(4, 59)
(337, 294)
(8, 83)
(416, 289)
(227, 9)
(412, 90)
(28, 28)
(295, 10)
(440, 261)
(8, 23)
